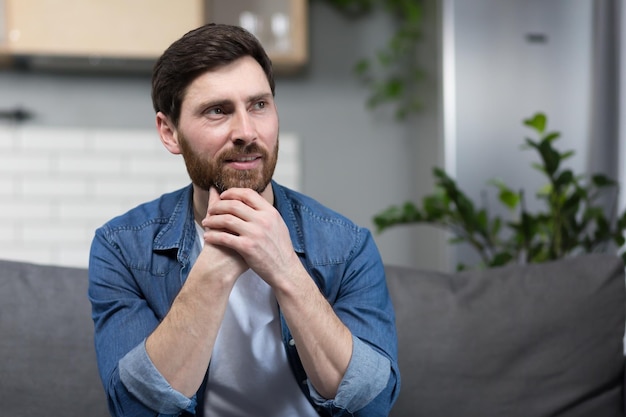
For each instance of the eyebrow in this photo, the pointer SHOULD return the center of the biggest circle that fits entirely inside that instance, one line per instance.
(228, 102)
(261, 96)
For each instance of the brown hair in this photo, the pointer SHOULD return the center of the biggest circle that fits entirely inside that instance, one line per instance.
(198, 51)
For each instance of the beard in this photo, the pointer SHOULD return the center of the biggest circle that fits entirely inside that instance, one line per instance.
(205, 172)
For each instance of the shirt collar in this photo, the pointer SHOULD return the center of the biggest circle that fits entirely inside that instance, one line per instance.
(179, 231)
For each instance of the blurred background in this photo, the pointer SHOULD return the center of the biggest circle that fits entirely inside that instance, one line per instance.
(78, 143)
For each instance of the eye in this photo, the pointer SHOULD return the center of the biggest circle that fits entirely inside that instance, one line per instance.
(215, 110)
(260, 104)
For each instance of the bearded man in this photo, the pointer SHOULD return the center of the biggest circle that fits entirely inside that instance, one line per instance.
(236, 296)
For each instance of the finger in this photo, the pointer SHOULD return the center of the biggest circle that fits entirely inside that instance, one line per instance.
(247, 196)
(214, 198)
(241, 203)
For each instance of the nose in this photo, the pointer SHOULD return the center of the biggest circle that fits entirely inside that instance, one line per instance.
(243, 129)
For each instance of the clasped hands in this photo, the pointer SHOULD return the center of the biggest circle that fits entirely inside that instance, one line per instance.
(246, 231)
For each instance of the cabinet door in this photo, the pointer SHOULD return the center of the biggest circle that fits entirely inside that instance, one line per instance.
(101, 28)
(280, 25)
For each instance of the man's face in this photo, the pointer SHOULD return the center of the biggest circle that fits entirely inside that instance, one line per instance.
(228, 128)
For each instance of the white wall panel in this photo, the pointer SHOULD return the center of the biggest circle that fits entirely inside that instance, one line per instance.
(57, 185)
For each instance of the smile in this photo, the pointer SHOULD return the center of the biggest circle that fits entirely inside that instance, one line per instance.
(244, 159)
(244, 162)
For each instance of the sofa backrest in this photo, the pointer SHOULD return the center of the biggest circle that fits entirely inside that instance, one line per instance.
(47, 358)
(537, 340)
(515, 341)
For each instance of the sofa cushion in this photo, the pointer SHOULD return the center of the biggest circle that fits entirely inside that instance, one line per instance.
(537, 340)
(47, 358)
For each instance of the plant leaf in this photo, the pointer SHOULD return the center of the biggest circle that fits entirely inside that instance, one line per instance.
(601, 180)
(362, 67)
(537, 122)
(501, 258)
(566, 155)
(565, 178)
(506, 196)
(550, 137)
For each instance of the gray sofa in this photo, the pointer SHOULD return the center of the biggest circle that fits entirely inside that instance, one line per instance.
(47, 359)
(534, 341)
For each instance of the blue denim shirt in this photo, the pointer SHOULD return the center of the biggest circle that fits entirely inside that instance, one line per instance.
(140, 260)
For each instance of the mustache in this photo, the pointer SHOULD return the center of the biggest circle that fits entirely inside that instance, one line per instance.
(239, 150)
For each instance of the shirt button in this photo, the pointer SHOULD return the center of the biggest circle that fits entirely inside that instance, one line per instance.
(292, 342)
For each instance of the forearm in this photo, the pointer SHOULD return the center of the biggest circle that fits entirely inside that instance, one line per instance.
(324, 343)
(180, 347)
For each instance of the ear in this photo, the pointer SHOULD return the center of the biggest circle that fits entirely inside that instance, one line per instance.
(168, 133)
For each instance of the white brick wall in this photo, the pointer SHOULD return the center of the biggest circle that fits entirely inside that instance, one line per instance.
(57, 185)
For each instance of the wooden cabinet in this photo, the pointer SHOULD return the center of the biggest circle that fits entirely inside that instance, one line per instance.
(102, 28)
(129, 30)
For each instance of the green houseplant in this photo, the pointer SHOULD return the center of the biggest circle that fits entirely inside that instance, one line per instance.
(392, 74)
(573, 220)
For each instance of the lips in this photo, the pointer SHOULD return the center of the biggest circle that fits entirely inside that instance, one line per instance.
(243, 162)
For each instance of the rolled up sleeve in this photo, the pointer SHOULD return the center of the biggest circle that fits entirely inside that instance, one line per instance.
(365, 378)
(144, 381)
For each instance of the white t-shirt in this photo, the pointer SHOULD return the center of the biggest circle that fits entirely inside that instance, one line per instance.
(249, 374)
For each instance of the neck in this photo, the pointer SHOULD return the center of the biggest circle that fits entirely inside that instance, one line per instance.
(201, 200)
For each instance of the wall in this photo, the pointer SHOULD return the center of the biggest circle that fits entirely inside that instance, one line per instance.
(354, 160)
